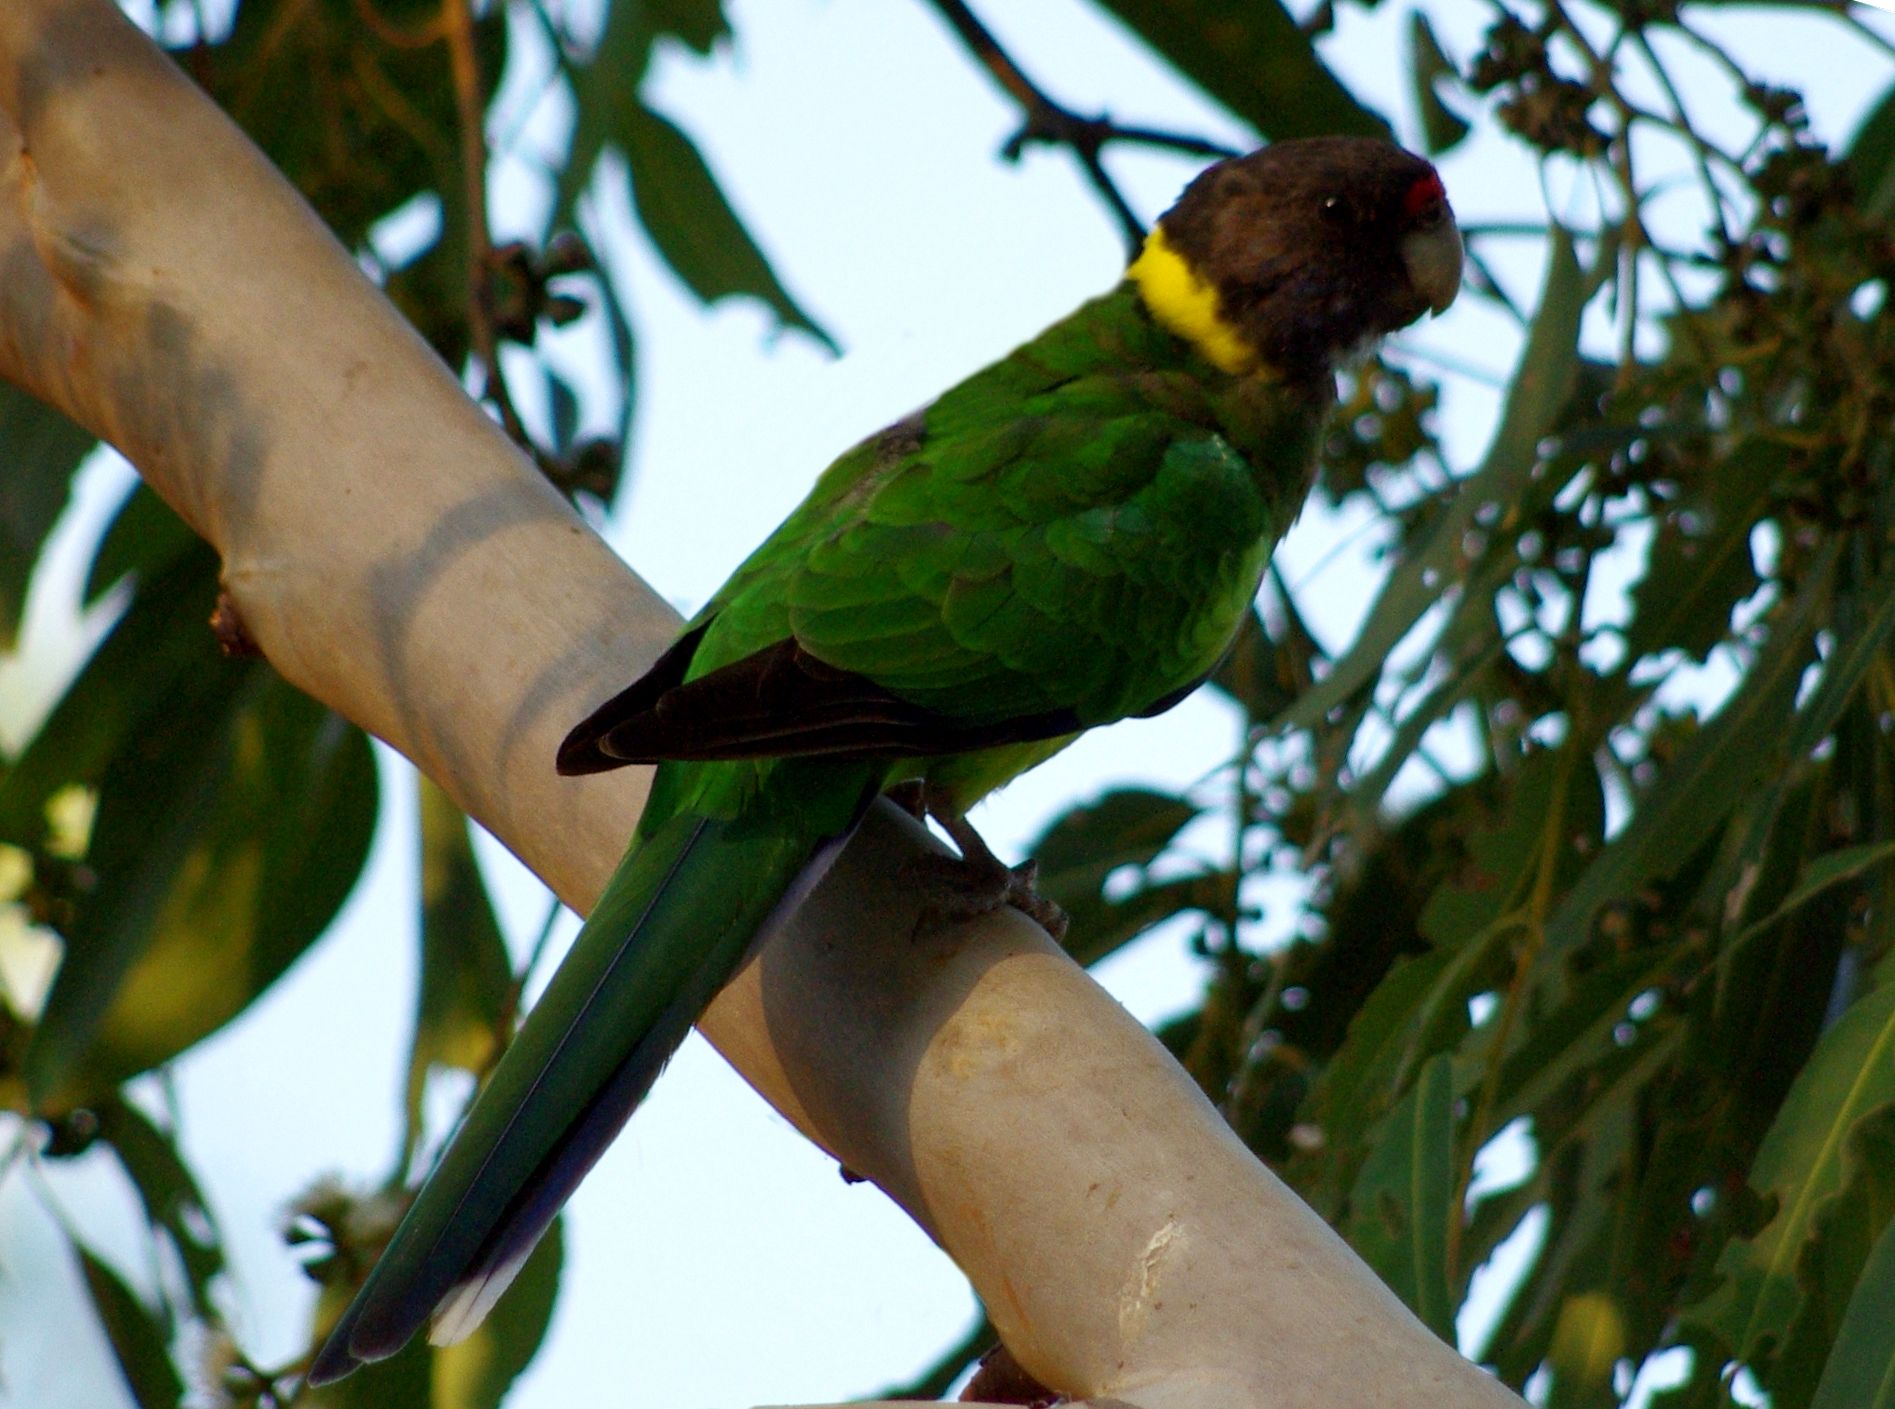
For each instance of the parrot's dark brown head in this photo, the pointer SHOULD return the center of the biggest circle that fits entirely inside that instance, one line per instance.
(1293, 260)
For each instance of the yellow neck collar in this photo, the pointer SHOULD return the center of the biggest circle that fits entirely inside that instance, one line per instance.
(1188, 306)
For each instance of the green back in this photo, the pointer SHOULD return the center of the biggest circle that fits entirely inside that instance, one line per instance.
(1080, 525)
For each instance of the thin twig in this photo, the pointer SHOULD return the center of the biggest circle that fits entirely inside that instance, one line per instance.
(471, 113)
(1046, 121)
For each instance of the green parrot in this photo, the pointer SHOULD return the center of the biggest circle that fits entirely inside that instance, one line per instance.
(1070, 537)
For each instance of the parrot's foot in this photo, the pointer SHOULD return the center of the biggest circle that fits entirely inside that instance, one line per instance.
(957, 888)
(975, 882)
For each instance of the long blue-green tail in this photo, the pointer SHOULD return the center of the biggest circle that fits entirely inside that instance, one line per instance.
(677, 919)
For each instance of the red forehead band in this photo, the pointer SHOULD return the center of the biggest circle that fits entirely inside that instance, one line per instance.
(1424, 193)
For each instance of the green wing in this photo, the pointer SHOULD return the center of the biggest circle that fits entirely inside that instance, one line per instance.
(1077, 528)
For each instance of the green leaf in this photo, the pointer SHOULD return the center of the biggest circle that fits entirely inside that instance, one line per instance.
(1830, 869)
(688, 218)
(146, 538)
(1588, 1340)
(1125, 827)
(1441, 127)
(1403, 1199)
(676, 196)
(698, 24)
(466, 987)
(360, 127)
(174, 1206)
(1417, 1012)
(1803, 1164)
(1872, 160)
(137, 1334)
(1251, 674)
(158, 659)
(1542, 387)
(1582, 1037)
(563, 404)
(232, 822)
(1837, 1260)
(1254, 58)
(1847, 664)
(1860, 1373)
(605, 97)
(39, 451)
(402, 1381)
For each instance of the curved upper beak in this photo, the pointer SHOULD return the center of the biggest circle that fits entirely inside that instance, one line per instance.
(1433, 256)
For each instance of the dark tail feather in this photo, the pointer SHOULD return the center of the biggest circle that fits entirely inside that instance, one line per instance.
(678, 918)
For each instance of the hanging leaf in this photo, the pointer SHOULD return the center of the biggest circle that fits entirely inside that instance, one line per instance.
(466, 987)
(1255, 59)
(1417, 1012)
(691, 222)
(1403, 1200)
(1860, 1373)
(1872, 159)
(1700, 566)
(478, 1372)
(1711, 775)
(175, 1209)
(1804, 1163)
(1441, 127)
(40, 450)
(136, 1333)
(234, 815)
(1088, 846)
(145, 538)
(1554, 821)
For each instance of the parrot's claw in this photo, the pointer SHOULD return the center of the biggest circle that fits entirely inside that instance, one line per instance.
(976, 882)
(957, 888)
(911, 797)
(1000, 1379)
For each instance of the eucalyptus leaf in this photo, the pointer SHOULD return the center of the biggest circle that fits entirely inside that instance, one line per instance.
(1872, 159)
(466, 990)
(1803, 1164)
(1403, 1200)
(1441, 127)
(224, 844)
(174, 1205)
(692, 223)
(1860, 1373)
(136, 1333)
(477, 1372)
(1711, 775)
(40, 450)
(1253, 57)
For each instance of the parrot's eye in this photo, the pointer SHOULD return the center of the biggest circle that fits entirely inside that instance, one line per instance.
(1332, 208)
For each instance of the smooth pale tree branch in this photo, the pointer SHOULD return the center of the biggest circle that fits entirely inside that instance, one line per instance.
(395, 556)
